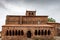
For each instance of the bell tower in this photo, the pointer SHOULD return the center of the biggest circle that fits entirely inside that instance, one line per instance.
(30, 13)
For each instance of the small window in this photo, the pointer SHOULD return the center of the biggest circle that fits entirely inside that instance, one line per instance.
(32, 13)
(29, 14)
(35, 32)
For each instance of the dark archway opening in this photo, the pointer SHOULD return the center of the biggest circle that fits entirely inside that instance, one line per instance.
(45, 32)
(28, 34)
(35, 32)
(41, 32)
(7, 32)
(12, 32)
(38, 32)
(22, 33)
(16, 32)
(49, 32)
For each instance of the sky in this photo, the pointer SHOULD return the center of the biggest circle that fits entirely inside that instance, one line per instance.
(50, 8)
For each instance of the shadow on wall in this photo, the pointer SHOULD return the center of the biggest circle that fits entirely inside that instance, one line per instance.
(0, 34)
(43, 38)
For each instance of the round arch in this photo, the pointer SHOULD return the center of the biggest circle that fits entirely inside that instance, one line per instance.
(28, 34)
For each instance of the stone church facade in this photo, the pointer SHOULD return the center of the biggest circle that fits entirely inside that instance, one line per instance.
(28, 26)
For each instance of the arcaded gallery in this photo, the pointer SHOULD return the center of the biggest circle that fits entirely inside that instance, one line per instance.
(28, 26)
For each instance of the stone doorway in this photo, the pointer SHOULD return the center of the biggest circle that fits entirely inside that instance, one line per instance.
(29, 34)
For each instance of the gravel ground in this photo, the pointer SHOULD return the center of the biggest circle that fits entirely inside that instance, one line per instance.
(56, 37)
(0, 38)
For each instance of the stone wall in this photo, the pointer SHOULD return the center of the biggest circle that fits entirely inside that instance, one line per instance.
(25, 30)
(26, 19)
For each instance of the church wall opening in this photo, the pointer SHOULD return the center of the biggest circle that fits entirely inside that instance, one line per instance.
(29, 34)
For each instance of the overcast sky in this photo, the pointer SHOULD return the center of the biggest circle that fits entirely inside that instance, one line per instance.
(18, 7)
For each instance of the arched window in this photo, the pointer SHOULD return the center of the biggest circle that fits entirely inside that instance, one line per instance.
(35, 32)
(22, 33)
(10, 32)
(18, 32)
(15, 32)
(38, 32)
(45, 33)
(7, 32)
(49, 32)
(41, 32)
